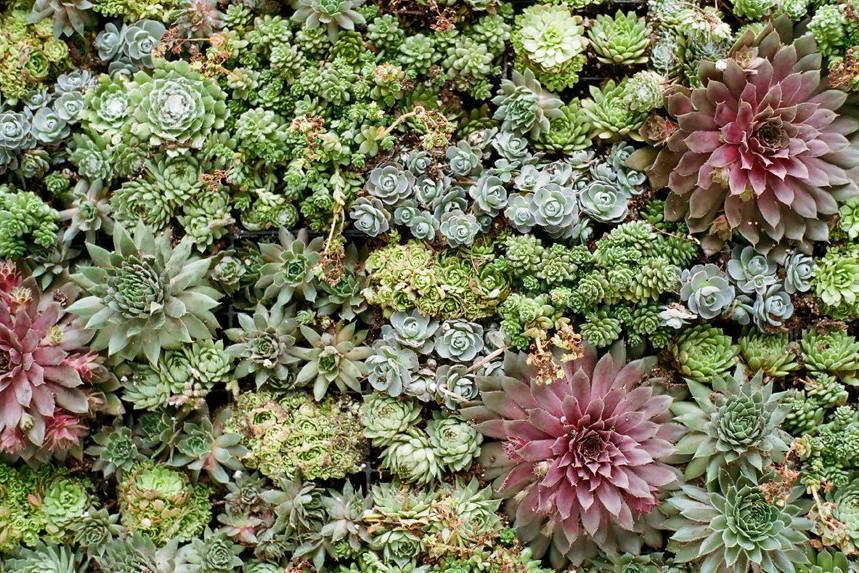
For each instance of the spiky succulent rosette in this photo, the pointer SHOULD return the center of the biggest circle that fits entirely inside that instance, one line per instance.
(738, 528)
(764, 148)
(146, 295)
(41, 368)
(580, 460)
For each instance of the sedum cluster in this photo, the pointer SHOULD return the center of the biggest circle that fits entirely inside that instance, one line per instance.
(293, 436)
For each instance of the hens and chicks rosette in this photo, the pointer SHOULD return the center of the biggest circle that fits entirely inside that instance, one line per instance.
(764, 148)
(581, 460)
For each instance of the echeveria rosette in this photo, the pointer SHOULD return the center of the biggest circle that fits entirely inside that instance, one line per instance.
(736, 528)
(752, 272)
(604, 201)
(16, 136)
(146, 295)
(771, 308)
(290, 267)
(459, 340)
(556, 210)
(370, 216)
(390, 184)
(176, 107)
(706, 290)
(390, 368)
(735, 424)
(411, 329)
(763, 150)
(459, 228)
(580, 460)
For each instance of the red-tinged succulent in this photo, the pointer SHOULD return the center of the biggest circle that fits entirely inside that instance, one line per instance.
(581, 460)
(764, 148)
(41, 389)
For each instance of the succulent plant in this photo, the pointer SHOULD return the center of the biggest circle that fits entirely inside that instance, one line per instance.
(772, 354)
(784, 194)
(833, 352)
(45, 558)
(27, 223)
(412, 329)
(176, 106)
(645, 91)
(836, 281)
(459, 340)
(489, 194)
(412, 457)
(550, 41)
(734, 424)
(291, 435)
(736, 528)
(620, 40)
(772, 307)
(848, 217)
(289, 267)
(333, 15)
(370, 216)
(42, 377)
(456, 443)
(204, 446)
(62, 499)
(752, 9)
(385, 417)
(90, 212)
(523, 106)
(798, 273)
(704, 352)
(824, 562)
(390, 368)
(145, 296)
(67, 16)
(551, 460)
(214, 553)
(390, 184)
(604, 201)
(706, 290)
(332, 358)
(567, 133)
(610, 115)
(162, 504)
(751, 272)
(556, 210)
(262, 345)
